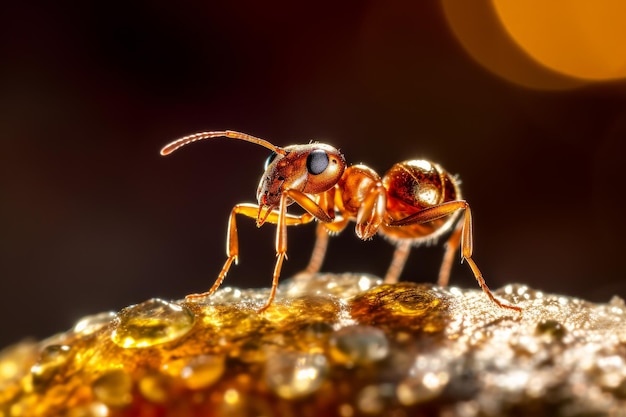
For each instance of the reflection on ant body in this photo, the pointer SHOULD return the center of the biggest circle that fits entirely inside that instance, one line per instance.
(414, 201)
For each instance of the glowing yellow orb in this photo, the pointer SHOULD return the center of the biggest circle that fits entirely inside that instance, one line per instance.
(580, 38)
(555, 44)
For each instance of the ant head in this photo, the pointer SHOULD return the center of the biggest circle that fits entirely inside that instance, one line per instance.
(310, 169)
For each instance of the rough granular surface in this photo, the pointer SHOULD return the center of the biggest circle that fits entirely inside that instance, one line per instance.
(331, 345)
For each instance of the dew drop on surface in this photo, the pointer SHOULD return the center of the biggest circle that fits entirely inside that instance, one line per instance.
(114, 388)
(91, 324)
(150, 323)
(359, 345)
(202, 371)
(295, 374)
(155, 387)
(52, 359)
(224, 295)
(551, 329)
(340, 285)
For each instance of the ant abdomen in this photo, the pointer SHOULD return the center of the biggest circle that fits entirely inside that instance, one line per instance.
(413, 186)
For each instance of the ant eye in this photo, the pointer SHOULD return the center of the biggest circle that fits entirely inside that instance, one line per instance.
(269, 160)
(317, 161)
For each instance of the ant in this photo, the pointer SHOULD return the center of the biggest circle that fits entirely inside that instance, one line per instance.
(414, 202)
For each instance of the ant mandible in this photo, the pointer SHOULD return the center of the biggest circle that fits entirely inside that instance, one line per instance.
(415, 201)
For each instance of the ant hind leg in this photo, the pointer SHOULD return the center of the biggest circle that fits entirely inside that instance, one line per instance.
(400, 255)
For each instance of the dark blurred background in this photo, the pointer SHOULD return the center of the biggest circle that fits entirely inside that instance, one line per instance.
(93, 218)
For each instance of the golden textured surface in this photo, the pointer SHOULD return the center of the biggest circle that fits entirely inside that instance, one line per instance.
(333, 345)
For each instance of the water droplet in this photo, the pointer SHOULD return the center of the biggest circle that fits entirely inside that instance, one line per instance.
(404, 305)
(155, 387)
(91, 324)
(295, 374)
(359, 345)
(340, 285)
(51, 361)
(517, 292)
(202, 371)
(551, 329)
(114, 388)
(224, 295)
(150, 323)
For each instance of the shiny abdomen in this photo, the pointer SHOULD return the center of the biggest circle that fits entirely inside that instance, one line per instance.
(413, 186)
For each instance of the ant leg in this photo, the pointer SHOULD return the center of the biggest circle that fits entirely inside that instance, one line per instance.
(371, 212)
(322, 232)
(323, 211)
(232, 246)
(400, 255)
(309, 205)
(313, 210)
(467, 243)
(232, 240)
(281, 249)
(319, 251)
(452, 245)
(327, 202)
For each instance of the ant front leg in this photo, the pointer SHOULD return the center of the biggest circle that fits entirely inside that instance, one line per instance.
(232, 246)
(464, 233)
(232, 240)
(281, 249)
(322, 233)
(313, 210)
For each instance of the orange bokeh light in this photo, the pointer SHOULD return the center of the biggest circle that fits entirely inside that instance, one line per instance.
(580, 38)
(557, 44)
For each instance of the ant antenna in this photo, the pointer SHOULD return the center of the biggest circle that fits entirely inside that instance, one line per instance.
(171, 147)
